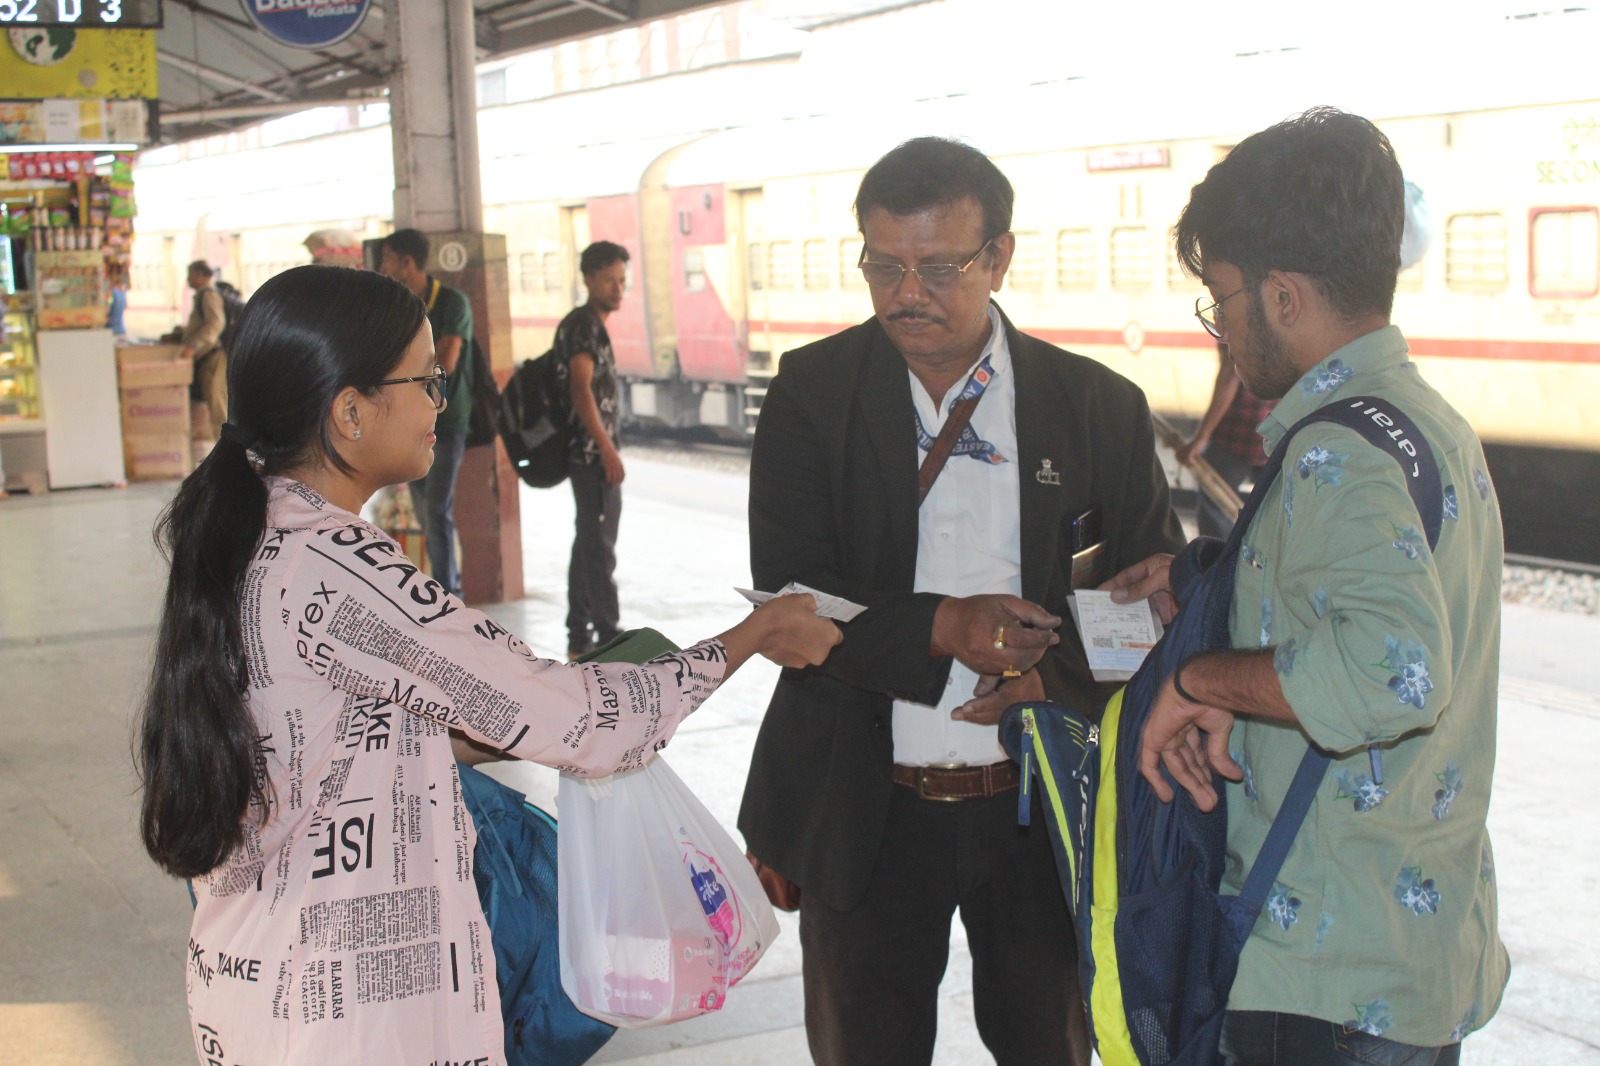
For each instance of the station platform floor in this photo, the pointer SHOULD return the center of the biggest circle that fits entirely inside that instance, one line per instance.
(92, 935)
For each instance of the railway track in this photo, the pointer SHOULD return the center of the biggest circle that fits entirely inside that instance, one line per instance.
(1564, 581)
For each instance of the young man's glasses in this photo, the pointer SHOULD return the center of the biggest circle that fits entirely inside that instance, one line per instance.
(1211, 312)
(934, 276)
(433, 382)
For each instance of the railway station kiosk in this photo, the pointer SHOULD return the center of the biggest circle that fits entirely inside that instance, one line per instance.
(80, 87)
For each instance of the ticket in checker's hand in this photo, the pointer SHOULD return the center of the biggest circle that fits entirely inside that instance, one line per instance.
(1116, 636)
(835, 607)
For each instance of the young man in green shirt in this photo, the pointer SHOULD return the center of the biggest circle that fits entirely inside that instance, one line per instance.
(405, 254)
(1378, 942)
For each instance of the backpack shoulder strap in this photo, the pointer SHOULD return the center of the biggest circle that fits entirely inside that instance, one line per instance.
(1391, 431)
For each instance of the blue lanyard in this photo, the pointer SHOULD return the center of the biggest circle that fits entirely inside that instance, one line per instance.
(969, 443)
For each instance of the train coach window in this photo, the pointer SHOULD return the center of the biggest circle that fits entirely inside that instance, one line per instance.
(1564, 252)
(849, 270)
(816, 266)
(1027, 263)
(528, 277)
(1131, 266)
(694, 270)
(550, 271)
(781, 265)
(1075, 260)
(1475, 253)
(756, 260)
(1179, 279)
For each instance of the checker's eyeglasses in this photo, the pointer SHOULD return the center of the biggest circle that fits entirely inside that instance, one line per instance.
(433, 383)
(1211, 312)
(936, 277)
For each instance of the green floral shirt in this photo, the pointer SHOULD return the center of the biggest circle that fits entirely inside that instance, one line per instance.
(1384, 915)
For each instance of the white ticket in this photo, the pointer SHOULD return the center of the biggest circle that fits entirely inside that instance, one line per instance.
(1116, 636)
(835, 607)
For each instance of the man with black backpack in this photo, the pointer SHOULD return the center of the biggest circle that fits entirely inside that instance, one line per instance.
(1348, 632)
(586, 372)
(404, 258)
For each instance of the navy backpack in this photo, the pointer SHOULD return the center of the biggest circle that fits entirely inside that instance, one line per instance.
(1158, 944)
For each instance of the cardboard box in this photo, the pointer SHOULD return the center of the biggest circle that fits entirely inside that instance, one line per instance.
(157, 456)
(148, 353)
(149, 412)
(154, 375)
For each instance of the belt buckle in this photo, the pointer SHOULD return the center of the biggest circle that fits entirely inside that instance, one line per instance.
(922, 780)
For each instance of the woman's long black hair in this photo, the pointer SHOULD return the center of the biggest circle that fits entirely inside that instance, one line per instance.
(306, 335)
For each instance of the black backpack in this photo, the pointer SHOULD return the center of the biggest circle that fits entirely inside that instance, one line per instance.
(536, 423)
(232, 311)
(483, 424)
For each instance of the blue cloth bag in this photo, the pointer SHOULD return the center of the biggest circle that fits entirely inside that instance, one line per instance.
(514, 866)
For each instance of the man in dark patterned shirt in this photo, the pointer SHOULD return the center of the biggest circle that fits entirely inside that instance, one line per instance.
(1228, 438)
(584, 364)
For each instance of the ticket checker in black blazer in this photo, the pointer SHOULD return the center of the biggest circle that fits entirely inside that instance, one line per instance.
(958, 478)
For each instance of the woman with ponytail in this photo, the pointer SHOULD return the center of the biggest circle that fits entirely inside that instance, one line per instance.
(296, 740)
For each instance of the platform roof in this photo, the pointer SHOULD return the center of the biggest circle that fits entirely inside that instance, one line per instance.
(218, 72)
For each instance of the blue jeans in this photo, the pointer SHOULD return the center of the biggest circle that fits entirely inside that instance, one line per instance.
(434, 497)
(1265, 1038)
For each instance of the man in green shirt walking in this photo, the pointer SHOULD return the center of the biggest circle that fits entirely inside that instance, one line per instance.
(1378, 942)
(404, 257)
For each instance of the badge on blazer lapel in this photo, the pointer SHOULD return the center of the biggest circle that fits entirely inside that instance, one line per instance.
(1046, 475)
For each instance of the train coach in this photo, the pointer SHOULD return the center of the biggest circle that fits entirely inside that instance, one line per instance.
(1503, 308)
(744, 246)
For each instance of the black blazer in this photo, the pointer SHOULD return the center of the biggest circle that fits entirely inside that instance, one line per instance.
(833, 504)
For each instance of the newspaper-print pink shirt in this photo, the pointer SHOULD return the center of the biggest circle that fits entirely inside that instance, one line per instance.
(347, 928)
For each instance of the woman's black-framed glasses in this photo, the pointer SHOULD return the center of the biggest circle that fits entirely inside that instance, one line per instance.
(935, 276)
(433, 382)
(1208, 314)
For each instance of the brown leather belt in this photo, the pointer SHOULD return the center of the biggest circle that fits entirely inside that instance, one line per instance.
(948, 784)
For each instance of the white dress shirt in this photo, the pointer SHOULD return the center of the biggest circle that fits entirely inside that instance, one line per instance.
(969, 541)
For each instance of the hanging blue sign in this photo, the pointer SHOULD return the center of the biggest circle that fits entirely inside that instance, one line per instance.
(306, 23)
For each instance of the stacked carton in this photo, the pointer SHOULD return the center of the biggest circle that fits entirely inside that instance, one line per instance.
(154, 381)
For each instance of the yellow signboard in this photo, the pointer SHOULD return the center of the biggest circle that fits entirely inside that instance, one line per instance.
(25, 122)
(40, 63)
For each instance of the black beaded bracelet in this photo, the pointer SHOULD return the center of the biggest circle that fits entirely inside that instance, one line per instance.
(1177, 684)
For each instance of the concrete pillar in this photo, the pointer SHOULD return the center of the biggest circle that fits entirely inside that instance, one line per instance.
(433, 105)
(433, 115)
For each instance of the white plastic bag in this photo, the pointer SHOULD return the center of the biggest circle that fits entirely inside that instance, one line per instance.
(660, 912)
